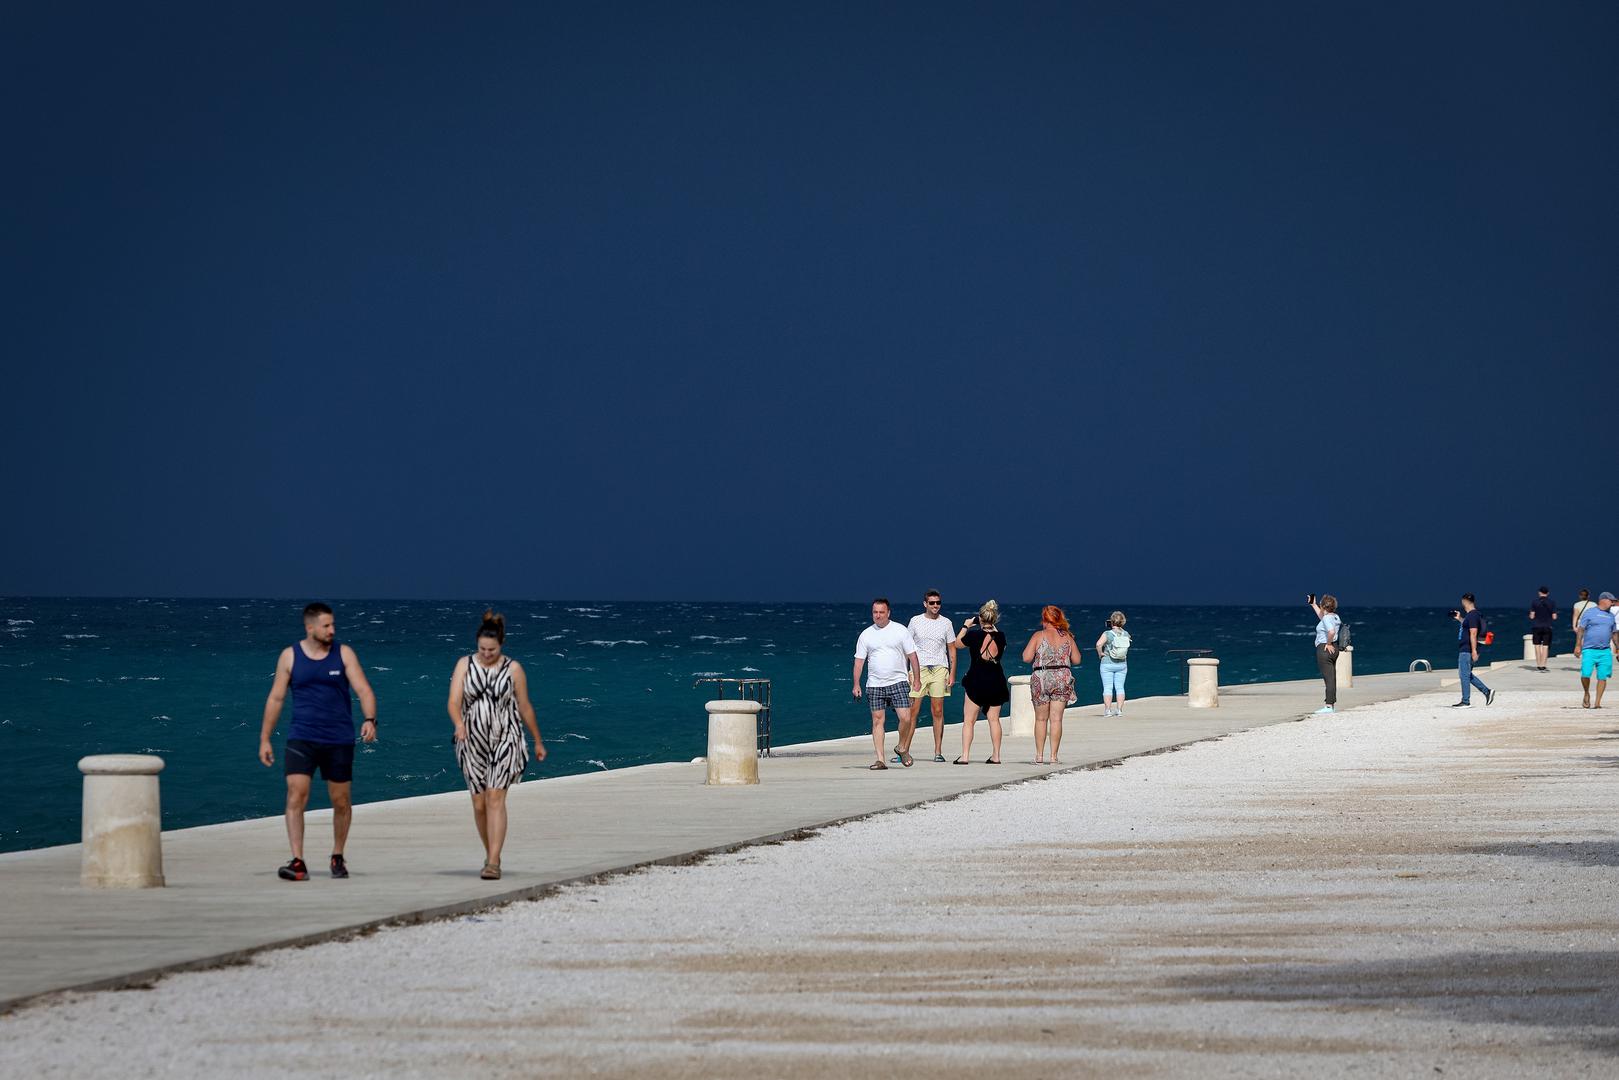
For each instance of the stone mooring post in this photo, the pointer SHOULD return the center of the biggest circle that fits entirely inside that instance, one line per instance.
(122, 834)
(1020, 717)
(1346, 667)
(733, 742)
(1203, 682)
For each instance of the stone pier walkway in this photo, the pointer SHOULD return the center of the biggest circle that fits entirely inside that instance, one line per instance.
(416, 859)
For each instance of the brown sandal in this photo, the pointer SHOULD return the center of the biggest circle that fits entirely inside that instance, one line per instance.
(876, 765)
(491, 872)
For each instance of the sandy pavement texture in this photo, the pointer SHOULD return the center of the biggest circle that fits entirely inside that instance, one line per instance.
(1399, 890)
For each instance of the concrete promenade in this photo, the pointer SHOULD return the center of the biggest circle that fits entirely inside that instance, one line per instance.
(416, 859)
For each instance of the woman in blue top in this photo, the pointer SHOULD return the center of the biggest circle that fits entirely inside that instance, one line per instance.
(1326, 645)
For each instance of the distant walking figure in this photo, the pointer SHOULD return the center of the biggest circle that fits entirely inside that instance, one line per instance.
(488, 697)
(1542, 617)
(1468, 639)
(984, 685)
(1326, 646)
(1580, 606)
(1053, 653)
(935, 642)
(1112, 649)
(321, 675)
(893, 678)
(1599, 637)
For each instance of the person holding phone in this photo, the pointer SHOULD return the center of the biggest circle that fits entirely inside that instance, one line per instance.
(984, 685)
(1327, 628)
(1113, 650)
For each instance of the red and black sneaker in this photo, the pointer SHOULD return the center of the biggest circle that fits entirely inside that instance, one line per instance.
(295, 870)
(339, 867)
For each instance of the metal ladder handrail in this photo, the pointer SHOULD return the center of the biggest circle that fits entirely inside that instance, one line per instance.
(1169, 658)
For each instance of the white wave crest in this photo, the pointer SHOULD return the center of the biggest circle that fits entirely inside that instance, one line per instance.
(611, 644)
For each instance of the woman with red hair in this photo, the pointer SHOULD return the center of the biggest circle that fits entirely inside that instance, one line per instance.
(1053, 653)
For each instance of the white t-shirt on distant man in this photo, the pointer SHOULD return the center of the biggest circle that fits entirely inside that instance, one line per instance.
(933, 638)
(884, 650)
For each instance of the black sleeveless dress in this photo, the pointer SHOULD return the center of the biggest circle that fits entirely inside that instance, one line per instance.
(985, 681)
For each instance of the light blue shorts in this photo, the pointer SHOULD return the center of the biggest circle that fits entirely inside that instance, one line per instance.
(1598, 662)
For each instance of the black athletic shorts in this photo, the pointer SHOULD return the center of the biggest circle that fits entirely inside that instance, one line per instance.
(334, 760)
(1542, 635)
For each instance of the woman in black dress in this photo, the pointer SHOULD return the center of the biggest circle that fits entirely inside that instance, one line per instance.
(984, 685)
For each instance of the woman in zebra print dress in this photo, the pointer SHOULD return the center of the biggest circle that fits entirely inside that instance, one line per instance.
(488, 695)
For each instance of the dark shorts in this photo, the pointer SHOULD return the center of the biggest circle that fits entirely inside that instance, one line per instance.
(334, 760)
(1542, 635)
(879, 699)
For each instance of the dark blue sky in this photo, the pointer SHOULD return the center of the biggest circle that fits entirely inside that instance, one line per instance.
(1131, 302)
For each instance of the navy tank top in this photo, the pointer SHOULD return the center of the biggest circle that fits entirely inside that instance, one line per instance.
(322, 708)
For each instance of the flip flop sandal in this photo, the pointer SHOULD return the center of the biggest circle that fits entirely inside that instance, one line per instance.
(961, 761)
(877, 766)
(491, 872)
(907, 760)
(992, 761)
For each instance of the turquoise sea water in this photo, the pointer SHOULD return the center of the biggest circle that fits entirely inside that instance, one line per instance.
(612, 682)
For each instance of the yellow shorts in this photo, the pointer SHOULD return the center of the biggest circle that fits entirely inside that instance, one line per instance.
(935, 682)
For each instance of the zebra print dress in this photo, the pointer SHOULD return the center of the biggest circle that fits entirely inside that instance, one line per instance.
(493, 754)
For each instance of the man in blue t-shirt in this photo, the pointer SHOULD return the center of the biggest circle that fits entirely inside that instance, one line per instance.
(1595, 638)
(1467, 643)
(1542, 614)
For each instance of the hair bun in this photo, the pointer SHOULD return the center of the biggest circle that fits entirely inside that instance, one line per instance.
(493, 625)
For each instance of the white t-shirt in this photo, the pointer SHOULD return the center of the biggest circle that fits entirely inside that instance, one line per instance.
(933, 638)
(884, 651)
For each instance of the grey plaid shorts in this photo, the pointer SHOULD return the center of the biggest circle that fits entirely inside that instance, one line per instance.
(896, 697)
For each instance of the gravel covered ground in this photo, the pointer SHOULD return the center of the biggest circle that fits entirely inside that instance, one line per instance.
(1399, 890)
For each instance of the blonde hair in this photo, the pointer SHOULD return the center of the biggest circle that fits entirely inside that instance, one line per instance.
(990, 613)
(1116, 619)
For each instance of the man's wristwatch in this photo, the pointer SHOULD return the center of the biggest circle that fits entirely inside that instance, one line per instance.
(369, 720)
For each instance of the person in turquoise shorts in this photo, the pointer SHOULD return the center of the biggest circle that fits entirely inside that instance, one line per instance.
(1594, 642)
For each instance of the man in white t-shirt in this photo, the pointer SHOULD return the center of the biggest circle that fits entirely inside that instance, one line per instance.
(936, 651)
(892, 677)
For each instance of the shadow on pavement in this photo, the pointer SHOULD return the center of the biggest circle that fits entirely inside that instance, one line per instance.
(1584, 852)
(1541, 989)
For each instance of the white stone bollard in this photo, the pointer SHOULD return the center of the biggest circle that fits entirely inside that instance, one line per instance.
(1020, 721)
(1346, 667)
(1529, 648)
(733, 742)
(1203, 682)
(122, 834)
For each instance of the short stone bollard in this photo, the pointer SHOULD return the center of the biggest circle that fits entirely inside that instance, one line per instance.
(1529, 649)
(1346, 667)
(733, 742)
(1021, 719)
(1203, 682)
(122, 834)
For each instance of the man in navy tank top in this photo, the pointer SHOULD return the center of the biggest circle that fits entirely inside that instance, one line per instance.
(321, 674)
